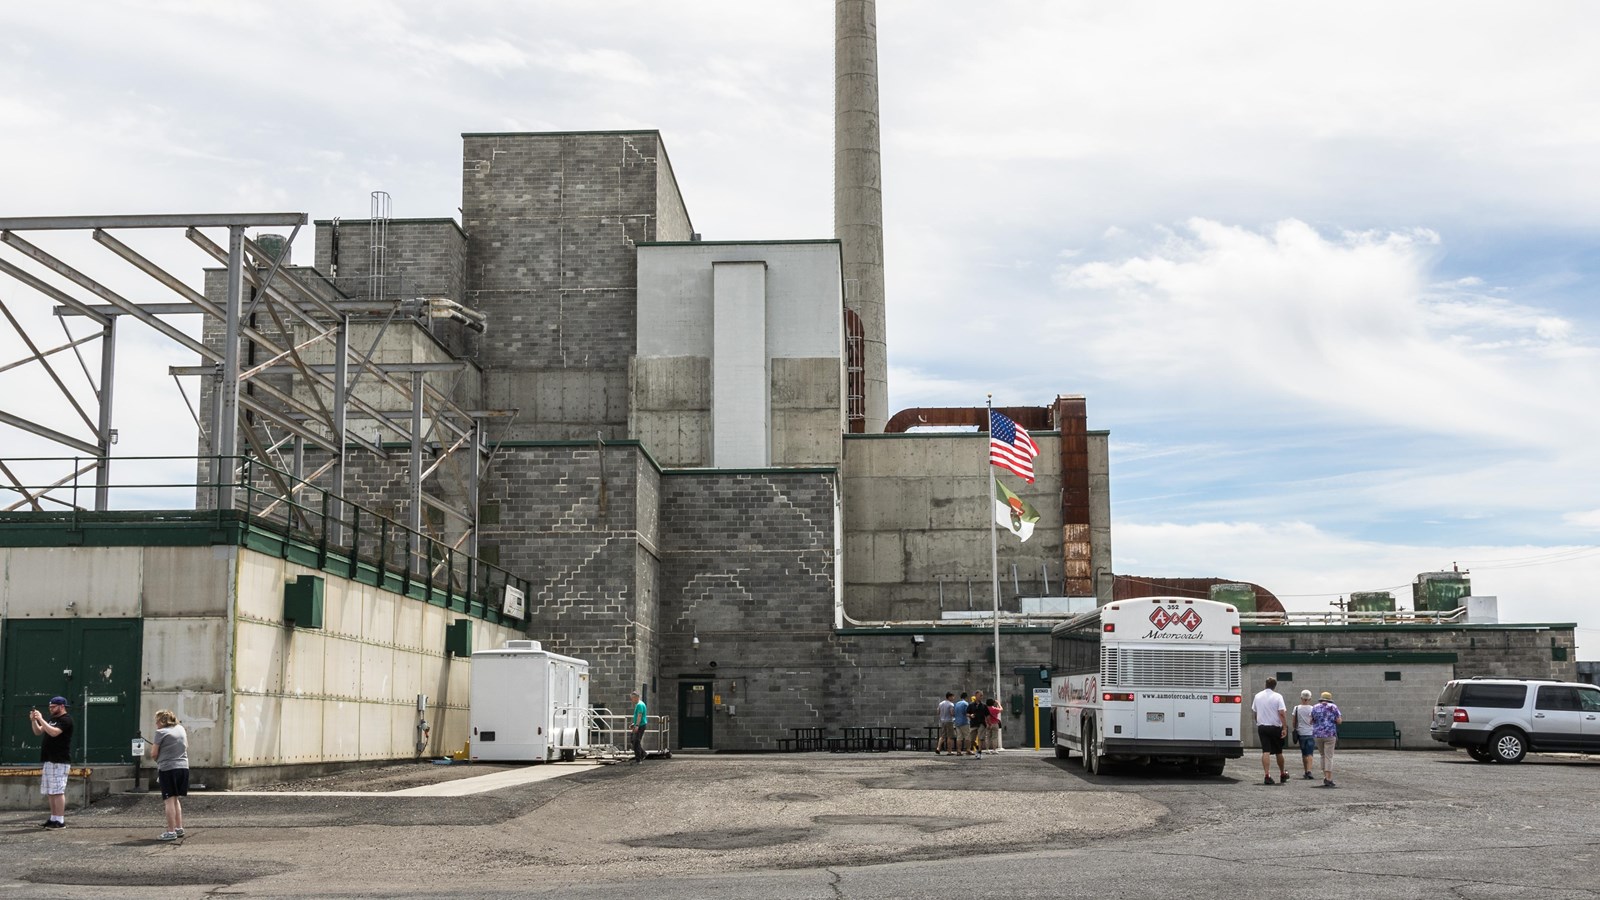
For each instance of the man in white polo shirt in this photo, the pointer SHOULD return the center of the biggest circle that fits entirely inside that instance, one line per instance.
(1272, 727)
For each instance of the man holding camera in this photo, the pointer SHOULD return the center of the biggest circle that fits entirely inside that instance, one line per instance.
(55, 757)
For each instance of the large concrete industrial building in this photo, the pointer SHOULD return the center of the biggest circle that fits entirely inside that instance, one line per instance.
(676, 453)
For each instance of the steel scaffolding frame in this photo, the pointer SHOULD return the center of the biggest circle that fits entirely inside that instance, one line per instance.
(257, 283)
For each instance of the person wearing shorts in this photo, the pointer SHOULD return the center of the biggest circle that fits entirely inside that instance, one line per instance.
(1272, 728)
(947, 725)
(55, 757)
(963, 732)
(170, 750)
(1301, 717)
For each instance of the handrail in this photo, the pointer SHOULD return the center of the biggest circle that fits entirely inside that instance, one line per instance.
(1349, 617)
(346, 537)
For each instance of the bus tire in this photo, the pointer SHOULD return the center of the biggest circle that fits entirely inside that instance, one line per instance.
(1212, 767)
(1091, 757)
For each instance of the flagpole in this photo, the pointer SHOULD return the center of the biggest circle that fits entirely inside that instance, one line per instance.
(994, 551)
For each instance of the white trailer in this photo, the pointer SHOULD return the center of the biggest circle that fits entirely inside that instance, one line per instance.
(528, 704)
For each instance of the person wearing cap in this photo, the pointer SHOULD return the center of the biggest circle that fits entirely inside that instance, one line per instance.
(1301, 716)
(1325, 719)
(55, 757)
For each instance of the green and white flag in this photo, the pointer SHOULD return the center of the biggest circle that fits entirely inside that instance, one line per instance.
(1013, 513)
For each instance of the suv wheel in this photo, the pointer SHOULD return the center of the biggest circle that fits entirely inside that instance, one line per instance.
(1481, 754)
(1508, 745)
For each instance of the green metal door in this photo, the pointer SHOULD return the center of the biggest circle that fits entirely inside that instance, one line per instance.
(1021, 706)
(94, 663)
(694, 714)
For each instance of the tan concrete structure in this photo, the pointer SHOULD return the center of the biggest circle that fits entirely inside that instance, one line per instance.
(254, 692)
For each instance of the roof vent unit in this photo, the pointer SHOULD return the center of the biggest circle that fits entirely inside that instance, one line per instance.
(522, 645)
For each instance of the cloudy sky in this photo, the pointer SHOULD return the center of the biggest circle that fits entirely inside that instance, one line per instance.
(1326, 273)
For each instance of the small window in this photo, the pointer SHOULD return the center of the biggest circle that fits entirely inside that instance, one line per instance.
(1391, 676)
(1590, 699)
(488, 514)
(1285, 676)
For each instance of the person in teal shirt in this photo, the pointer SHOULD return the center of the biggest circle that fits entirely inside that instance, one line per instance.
(637, 728)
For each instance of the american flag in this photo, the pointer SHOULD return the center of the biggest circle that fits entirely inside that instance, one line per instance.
(1010, 447)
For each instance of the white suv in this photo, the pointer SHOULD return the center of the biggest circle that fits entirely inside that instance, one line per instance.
(1503, 719)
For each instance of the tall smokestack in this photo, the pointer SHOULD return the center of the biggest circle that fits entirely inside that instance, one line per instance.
(858, 191)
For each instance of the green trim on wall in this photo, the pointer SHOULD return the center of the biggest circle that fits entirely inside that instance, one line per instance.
(923, 435)
(902, 630)
(224, 528)
(1357, 658)
(771, 470)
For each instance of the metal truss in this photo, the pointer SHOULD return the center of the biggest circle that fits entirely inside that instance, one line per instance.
(251, 413)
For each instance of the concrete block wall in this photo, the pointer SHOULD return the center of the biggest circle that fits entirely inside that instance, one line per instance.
(917, 514)
(1519, 651)
(747, 565)
(553, 221)
(1402, 690)
(593, 569)
(1366, 691)
(424, 258)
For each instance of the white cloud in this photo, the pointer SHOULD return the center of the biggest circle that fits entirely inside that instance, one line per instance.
(1287, 316)
(1309, 569)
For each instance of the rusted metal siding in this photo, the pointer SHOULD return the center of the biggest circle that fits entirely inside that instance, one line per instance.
(1071, 414)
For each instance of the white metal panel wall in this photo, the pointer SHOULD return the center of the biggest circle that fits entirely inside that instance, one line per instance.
(740, 412)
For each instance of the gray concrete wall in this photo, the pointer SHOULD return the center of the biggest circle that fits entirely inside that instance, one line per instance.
(553, 220)
(917, 514)
(252, 691)
(184, 595)
(1100, 513)
(800, 341)
(741, 421)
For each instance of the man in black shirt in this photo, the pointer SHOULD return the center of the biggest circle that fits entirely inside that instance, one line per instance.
(55, 757)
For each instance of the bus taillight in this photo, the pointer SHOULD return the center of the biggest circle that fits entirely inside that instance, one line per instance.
(1109, 626)
(1110, 697)
(1226, 698)
(1235, 629)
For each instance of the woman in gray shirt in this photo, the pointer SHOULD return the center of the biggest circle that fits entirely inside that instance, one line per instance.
(170, 750)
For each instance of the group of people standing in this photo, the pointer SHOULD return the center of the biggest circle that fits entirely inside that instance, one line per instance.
(1315, 730)
(170, 750)
(968, 725)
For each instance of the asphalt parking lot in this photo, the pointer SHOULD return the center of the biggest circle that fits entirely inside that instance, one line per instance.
(1020, 824)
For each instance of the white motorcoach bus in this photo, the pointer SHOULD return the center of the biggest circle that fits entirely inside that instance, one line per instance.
(1154, 679)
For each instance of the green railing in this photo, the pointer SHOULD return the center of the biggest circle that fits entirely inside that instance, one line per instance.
(272, 512)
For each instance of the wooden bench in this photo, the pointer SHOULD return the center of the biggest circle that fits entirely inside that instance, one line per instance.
(1376, 730)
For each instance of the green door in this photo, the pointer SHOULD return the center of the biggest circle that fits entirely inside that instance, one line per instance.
(694, 714)
(94, 663)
